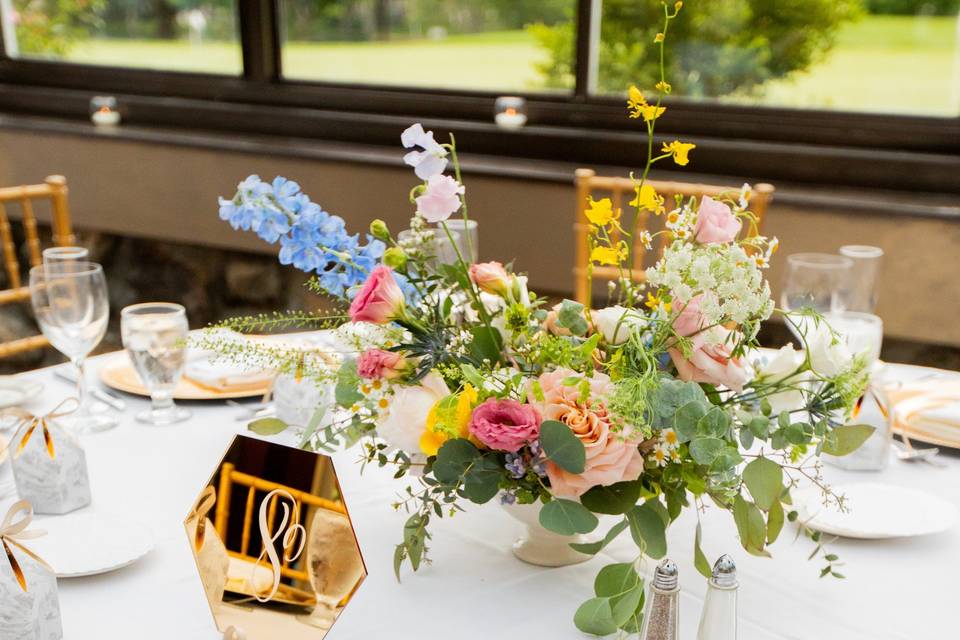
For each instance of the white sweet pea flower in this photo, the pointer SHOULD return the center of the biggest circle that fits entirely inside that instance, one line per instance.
(829, 355)
(429, 162)
(617, 323)
(519, 291)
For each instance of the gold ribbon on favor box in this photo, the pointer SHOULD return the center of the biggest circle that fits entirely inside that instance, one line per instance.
(199, 513)
(31, 422)
(12, 532)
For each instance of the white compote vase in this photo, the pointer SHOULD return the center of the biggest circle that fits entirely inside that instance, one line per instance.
(540, 546)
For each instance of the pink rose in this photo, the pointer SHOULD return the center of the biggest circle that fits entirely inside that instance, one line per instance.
(377, 363)
(490, 277)
(441, 198)
(712, 364)
(690, 320)
(611, 457)
(505, 425)
(380, 299)
(716, 223)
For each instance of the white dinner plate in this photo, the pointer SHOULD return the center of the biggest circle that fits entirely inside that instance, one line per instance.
(85, 543)
(877, 511)
(14, 391)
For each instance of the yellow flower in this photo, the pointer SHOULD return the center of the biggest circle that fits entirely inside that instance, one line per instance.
(663, 86)
(449, 418)
(601, 212)
(607, 255)
(649, 199)
(658, 38)
(679, 150)
(639, 107)
(653, 302)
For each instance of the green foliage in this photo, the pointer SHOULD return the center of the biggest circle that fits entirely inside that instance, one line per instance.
(846, 439)
(567, 517)
(614, 499)
(648, 527)
(700, 561)
(750, 526)
(267, 426)
(618, 603)
(562, 447)
(51, 28)
(914, 7)
(570, 317)
(347, 392)
(718, 48)
(764, 479)
(593, 548)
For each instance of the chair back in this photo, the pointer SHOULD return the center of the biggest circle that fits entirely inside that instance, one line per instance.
(588, 183)
(54, 190)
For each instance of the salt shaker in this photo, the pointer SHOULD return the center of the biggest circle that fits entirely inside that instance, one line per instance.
(719, 618)
(660, 621)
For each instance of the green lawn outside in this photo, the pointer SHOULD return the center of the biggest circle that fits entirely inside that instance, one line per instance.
(881, 63)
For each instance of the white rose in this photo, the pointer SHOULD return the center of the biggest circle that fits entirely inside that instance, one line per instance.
(777, 368)
(617, 323)
(406, 418)
(828, 355)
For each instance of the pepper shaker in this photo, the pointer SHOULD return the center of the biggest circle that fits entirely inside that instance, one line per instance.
(660, 621)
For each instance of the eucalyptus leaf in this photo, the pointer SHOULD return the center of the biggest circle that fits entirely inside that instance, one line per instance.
(487, 344)
(570, 317)
(268, 426)
(760, 427)
(614, 499)
(700, 561)
(624, 606)
(764, 479)
(750, 525)
(567, 517)
(595, 616)
(414, 538)
(846, 439)
(593, 548)
(453, 459)
(669, 396)
(686, 419)
(728, 458)
(706, 450)
(562, 447)
(615, 579)
(482, 479)
(648, 530)
(774, 522)
(715, 423)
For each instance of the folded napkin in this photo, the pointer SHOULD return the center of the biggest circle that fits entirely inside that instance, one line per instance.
(927, 409)
(218, 375)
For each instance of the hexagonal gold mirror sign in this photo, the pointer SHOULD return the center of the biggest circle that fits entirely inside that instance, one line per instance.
(273, 542)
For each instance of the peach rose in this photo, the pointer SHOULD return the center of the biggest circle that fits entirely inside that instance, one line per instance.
(716, 223)
(490, 277)
(712, 364)
(690, 320)
(611, 457)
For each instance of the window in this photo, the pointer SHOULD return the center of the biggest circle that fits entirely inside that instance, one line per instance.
(891, 56)
(181, 35)
(491, 45)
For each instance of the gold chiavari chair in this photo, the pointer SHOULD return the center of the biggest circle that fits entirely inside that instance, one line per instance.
(588, 183)
(53, 189)
(229, 477)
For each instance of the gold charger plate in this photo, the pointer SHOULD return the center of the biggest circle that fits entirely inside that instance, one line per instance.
(120, 375)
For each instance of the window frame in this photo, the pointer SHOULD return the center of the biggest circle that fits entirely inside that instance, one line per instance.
(844, 148)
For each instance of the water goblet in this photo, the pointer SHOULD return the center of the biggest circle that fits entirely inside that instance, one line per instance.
(72, 308)
(468, 240)
(55, 258)
(863, 276)
(154, 335)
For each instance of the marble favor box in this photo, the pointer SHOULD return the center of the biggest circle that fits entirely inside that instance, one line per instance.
(52, 478)
(30, 611)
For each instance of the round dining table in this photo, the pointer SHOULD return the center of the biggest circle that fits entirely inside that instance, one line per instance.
(474, 588)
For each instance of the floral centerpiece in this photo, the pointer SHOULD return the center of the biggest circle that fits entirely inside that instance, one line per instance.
(481, 390)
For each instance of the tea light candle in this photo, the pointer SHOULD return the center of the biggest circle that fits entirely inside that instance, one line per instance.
(510, 112)
(103, 111)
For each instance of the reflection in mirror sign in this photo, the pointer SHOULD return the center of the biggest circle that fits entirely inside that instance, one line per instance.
(274, 543)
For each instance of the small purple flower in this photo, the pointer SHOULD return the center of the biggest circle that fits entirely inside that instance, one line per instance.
(535, 448)
(507, 498)
(515, 466)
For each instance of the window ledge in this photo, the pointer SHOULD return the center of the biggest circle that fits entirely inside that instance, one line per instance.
(852, 200)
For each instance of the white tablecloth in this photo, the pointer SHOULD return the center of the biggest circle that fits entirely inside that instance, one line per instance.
(905, 589)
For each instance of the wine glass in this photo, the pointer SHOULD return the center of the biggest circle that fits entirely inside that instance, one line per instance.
(817, 281)
(334, 564)
(154, 335)
(72, 308)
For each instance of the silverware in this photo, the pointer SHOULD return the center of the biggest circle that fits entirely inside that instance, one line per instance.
(68, 374)
(910, 454)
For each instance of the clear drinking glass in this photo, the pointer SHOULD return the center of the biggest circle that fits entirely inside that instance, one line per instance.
(863, 276)
(55, 258)
(334, 564)
(469, 237)
(818, 281)
(154, 335)
(72, 308)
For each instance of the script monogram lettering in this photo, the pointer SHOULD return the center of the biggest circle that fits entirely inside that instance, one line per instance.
(289, 534)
